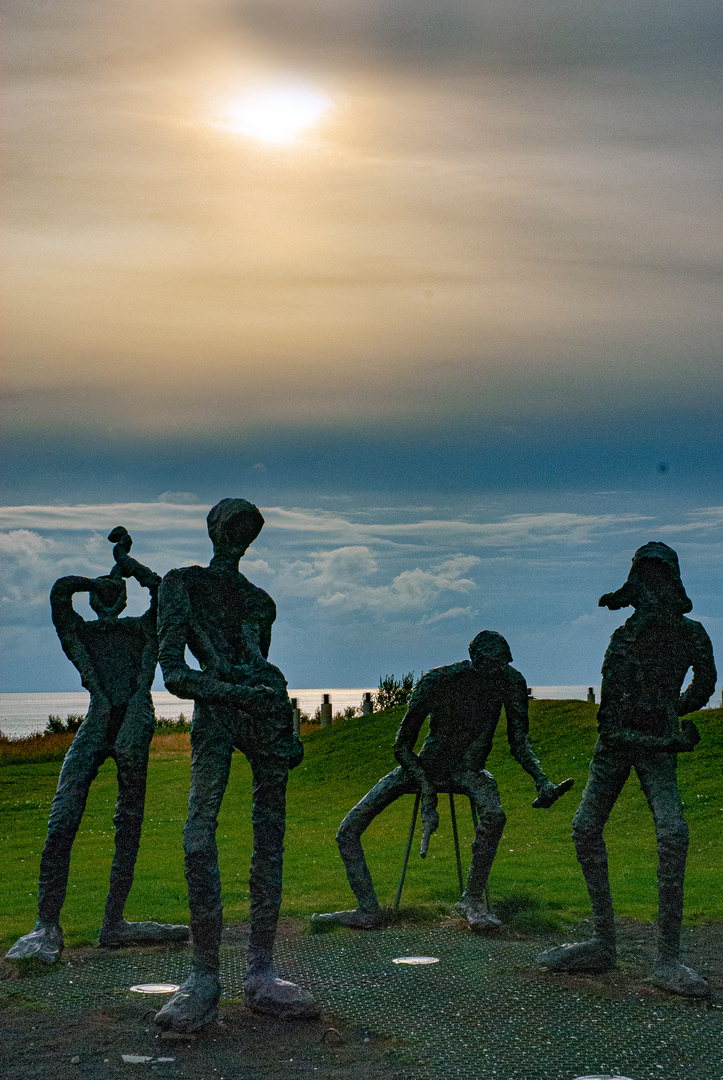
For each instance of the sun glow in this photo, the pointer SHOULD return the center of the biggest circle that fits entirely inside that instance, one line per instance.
(279, 115)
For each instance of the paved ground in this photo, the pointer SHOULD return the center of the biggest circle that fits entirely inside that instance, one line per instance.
(484, 1011)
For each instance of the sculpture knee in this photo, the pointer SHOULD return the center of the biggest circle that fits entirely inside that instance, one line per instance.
(199, 838)
(493, 821)
(349, 833)
(673, 835)
(587, 834)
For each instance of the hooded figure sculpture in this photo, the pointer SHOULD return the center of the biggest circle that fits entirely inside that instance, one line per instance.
(643, 672)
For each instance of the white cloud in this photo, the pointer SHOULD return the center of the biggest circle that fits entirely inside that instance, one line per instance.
(513, 530)
(140, 516)
(702, 520)
(452, 613)
(182, 498)
(338, 579)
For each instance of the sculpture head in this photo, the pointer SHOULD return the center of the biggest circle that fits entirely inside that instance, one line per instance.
(111, 596)
(489, 652)
(653, 584)
(233, 525)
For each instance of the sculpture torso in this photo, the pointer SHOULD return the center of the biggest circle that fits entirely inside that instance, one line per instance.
(644, 669)
(464, 706)
(117, 650)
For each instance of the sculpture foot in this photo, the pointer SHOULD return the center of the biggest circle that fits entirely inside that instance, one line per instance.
(193, 1006)
(44, 943)
(358, 920)
(480, 918)
(278, 997)
(592, 955)
(118, 935)
(676, 978)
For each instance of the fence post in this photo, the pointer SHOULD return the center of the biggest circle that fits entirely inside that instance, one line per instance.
(367, 704)
(325, 711)
(297, 715)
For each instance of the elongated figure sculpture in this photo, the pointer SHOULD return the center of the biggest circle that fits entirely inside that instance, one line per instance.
(240, 703)
(643, 672)
(463, 702)
(116, 659)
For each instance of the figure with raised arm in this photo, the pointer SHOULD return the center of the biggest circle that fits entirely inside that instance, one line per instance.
(116, 659)
(643, 672)
(463, 702)
(240, 703)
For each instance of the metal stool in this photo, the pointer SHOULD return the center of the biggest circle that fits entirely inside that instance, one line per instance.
(415, 811)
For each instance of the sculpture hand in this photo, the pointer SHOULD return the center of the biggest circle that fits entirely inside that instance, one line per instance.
(297, 752)
(430, 820)
(688, 738)
(548, 793)
(122, 540)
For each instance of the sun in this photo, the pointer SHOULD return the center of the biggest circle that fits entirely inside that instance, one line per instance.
(278, 115)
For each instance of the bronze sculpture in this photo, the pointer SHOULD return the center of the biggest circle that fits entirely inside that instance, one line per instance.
(464, 702)
(240, 703)
(116, 659)
(643, 672)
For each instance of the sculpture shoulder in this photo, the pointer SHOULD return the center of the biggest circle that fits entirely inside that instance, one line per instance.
(697, 634)
(695, 629)
(517, 681)
(182, 577)
(440, 677)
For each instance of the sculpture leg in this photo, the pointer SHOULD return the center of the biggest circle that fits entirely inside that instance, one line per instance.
(195, 1004)
(367, 914)
(607, 777)
(263, 991)
(658, 780)
(131, 756)
(80, 767)
(490, 826)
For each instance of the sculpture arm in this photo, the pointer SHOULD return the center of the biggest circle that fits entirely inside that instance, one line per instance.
(518, 733)
(416, 714)
(174, 631)
(130, 567)
(679, 743)
(68, 624)
(704, 675)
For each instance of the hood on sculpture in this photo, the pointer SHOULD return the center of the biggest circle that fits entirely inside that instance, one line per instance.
(654, 582)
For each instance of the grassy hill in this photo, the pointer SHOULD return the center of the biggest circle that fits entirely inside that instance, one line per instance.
(535, 862)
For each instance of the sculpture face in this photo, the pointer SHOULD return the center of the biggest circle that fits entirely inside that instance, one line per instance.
(113, 599)
(234, 524)
(489, 652)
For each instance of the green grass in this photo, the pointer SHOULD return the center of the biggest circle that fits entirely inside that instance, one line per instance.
(535, 880)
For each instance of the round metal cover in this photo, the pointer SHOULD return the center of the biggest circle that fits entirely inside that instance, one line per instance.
(603, 1076)
(416, 960)
(155, 988)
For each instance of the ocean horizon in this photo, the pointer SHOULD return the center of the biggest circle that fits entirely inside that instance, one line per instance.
(23, 714)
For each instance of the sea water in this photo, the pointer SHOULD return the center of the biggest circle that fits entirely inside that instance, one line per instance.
(23, 714)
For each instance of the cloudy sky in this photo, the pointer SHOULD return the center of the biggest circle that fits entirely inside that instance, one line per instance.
(434, 282)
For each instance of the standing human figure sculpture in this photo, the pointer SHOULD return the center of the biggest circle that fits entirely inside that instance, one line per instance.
(643, 672)
(463, 702)
(240, 703)
(116, 659)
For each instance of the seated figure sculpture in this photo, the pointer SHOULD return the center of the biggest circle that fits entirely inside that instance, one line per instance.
(240, 702)
(116, 659)
(463, 702)
(643, 672)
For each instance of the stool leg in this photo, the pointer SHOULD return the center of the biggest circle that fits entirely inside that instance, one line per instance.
(456, 843)
(412, 827)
